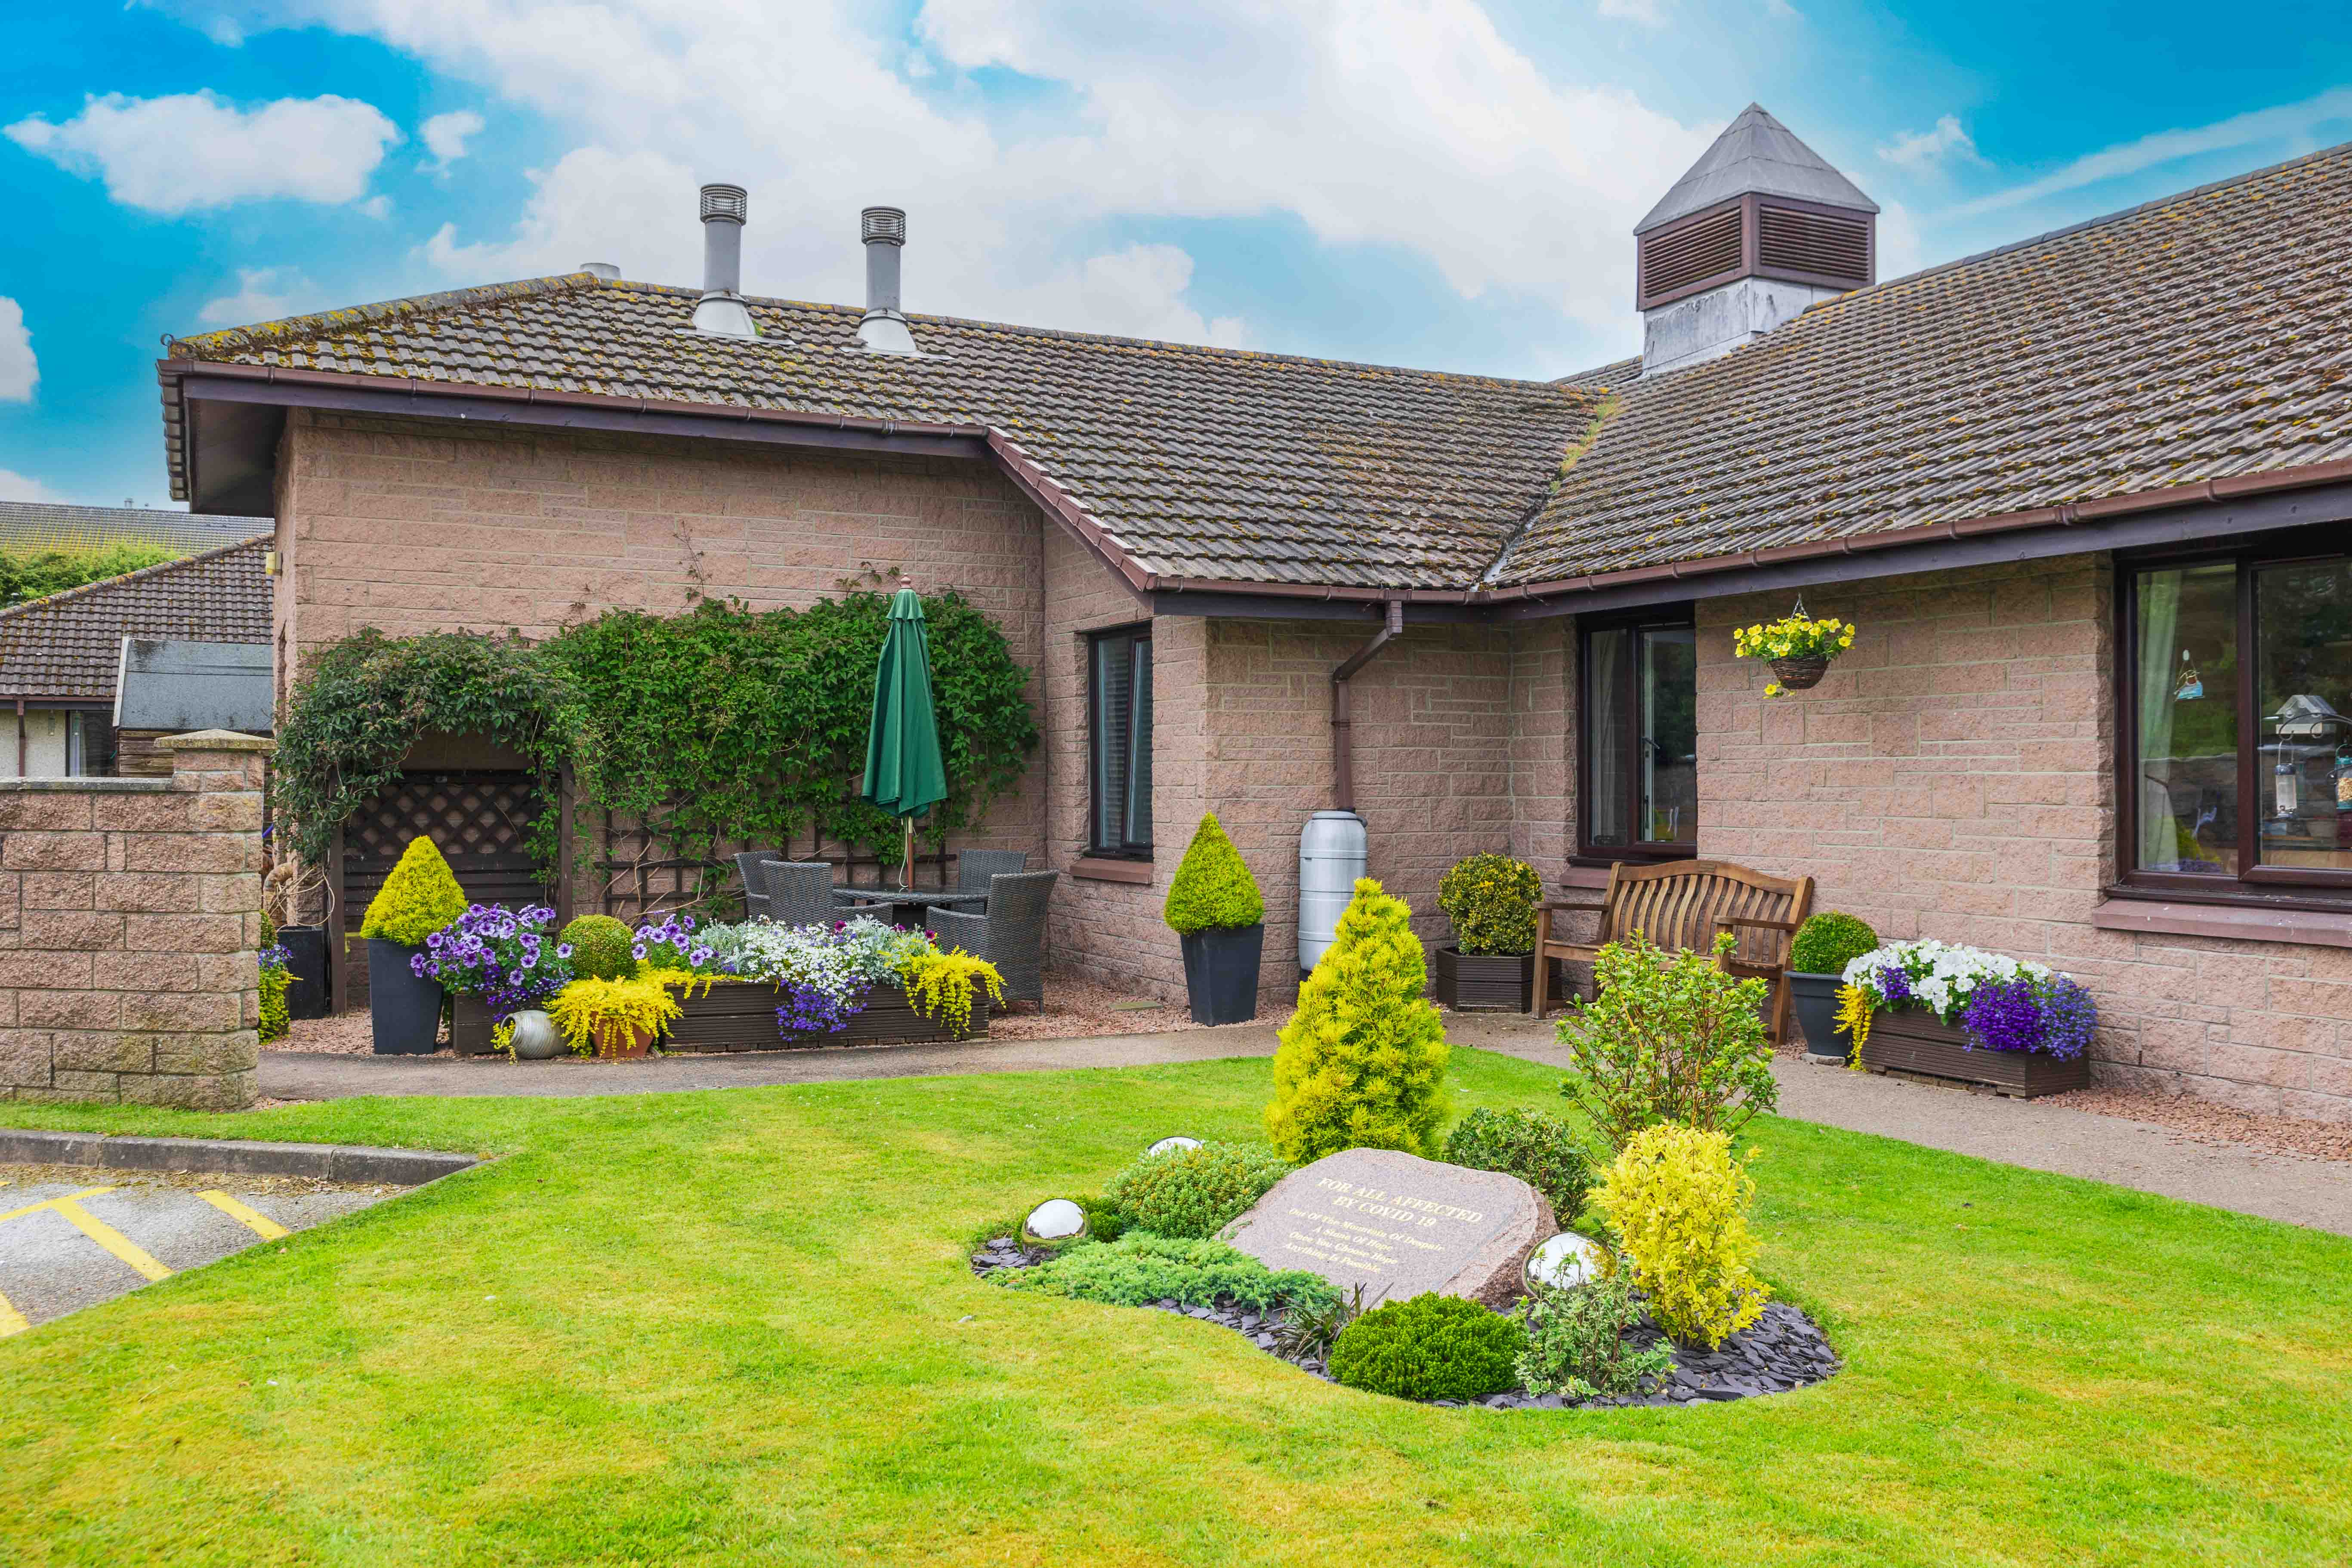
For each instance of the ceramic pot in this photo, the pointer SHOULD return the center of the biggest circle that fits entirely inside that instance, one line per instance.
(536, 1038)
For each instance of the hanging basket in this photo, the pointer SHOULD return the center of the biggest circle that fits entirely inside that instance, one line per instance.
(1800, 674)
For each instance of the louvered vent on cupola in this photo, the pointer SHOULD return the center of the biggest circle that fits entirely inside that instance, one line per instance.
(1756, 237)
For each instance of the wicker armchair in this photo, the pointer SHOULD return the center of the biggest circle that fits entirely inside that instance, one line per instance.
(1011, 935)
(975, 868)
(755, 886)
(800, 892)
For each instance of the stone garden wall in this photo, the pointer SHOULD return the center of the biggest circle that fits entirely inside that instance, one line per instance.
(130, 921)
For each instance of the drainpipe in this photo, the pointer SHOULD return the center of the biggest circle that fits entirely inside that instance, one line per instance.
(1343, 753)
(22, 745)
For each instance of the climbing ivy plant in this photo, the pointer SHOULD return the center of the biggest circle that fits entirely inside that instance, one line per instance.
(361, 702)
(726, 723)
(720, 724)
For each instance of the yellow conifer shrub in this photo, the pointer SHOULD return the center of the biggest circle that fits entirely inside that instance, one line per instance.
(1362, 1062)
(419, 898)
(1678, 1201)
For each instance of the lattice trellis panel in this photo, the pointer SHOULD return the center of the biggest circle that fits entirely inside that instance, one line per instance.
(641, 871)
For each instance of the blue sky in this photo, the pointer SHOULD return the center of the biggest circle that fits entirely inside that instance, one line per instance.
(1439, 182)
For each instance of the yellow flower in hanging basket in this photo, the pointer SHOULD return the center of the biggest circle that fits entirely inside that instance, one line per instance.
(1798, 647)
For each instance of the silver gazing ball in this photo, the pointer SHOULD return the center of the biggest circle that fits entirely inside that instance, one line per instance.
(1564, 1262)
(535, 1039)
(1170, 1145)
(1055, 1220)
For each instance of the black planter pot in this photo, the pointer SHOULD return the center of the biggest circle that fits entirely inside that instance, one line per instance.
(1221, 972)
(405, 1007)
(307, 961)
(1814, 998)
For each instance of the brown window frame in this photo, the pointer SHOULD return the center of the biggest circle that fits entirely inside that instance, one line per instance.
(2271, 887)
(1654, 617)
(1131, 848)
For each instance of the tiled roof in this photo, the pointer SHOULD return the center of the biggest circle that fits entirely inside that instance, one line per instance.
(35, 525)
(2190, 339)
(1199, 462)
(2195, 338)
(69, 646)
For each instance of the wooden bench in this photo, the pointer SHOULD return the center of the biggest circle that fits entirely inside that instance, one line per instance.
(1685, 904)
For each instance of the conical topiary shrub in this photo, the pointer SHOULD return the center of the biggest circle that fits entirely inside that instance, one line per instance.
(1212, 887)
(1362, 1062)
(419, 898)
(1213, 903)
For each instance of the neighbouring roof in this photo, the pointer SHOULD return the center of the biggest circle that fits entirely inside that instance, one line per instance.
(2202, 336)
(69, 646)
(1199, 462)
(2196, 338)
(1756, 155)
(35, 525)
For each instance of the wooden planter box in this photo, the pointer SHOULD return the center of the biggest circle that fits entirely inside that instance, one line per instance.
(470, 1025)
(1473, 983)
(741, 1016)
(1913, 1040)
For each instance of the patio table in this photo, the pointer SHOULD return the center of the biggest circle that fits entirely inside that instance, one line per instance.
(902, 907)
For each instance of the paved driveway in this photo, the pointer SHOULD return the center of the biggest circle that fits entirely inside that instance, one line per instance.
(72, 1236)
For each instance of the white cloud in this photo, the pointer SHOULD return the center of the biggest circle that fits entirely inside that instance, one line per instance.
(1781, 11)
(1649, 13)
(15, 486)
(1138, 293)
(20, 370)
(446, 135)
(377, 207)
(1410, 124)
(1920, 150)
(2291, 122)
(264, 294)
(177, 155)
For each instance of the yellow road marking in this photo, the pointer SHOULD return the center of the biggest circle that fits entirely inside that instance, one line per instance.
(107, 1236)
(12, 1322)
(260, 1223)
(52, 1203)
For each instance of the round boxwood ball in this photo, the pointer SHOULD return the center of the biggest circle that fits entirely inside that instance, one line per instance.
(1430, 1347)
(600, 948)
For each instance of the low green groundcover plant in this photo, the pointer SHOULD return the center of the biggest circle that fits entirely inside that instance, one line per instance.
(1539, 1149)
(1213, 888)
(1576, 1341)
(1192, 1193)
(1139, 1268)
(1828, 941)
(1491, 900)
(1430, 1347)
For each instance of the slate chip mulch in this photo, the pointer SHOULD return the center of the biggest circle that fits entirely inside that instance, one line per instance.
(1780, 1351)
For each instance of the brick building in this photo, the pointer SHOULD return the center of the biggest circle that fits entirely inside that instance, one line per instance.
(2086, 497)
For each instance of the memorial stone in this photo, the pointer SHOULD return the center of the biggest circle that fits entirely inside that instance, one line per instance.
(1399, 1225)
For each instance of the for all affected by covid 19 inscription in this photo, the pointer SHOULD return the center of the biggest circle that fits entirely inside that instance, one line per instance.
(1392, 1223)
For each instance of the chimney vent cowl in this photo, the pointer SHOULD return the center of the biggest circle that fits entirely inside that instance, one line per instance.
(603, 271)
(721, 310)
(883, 329)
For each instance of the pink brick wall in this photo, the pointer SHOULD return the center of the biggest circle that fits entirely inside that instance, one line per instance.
(1953, 777)
(414, 525)
(129, 918)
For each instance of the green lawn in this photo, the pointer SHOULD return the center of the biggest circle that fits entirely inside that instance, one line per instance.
(737, 1328)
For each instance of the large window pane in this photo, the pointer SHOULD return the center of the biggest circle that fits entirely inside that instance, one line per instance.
(1609, 734)
(1670, 736)
(1119, 736)
(2187, 674)
(2302, 664)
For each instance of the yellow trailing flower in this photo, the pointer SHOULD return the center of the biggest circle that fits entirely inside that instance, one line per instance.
(598, 1015)
(1853, 1016)
(939, 986)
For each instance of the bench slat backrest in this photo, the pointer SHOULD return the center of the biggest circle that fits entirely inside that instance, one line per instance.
(1680, 904)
